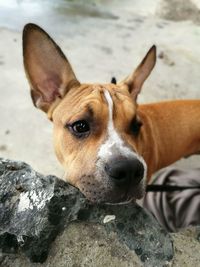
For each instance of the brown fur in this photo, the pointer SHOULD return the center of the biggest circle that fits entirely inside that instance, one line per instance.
(170, 130)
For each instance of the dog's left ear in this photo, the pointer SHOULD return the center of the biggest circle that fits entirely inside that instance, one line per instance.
(135, 81)
(49, 72)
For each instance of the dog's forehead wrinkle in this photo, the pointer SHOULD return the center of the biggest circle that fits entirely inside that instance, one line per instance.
(88, 107)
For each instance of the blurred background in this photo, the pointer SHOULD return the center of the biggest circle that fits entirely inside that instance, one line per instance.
(101, 38)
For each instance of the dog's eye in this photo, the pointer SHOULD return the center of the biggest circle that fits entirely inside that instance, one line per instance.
(135, 126)
(80, 128)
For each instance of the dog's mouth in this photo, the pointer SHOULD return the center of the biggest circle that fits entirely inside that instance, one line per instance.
(129, 197)
(100, 193)
(124, 201)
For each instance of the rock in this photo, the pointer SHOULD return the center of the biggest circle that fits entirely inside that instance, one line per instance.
(187, 247)
(31, 209)
(34, 209)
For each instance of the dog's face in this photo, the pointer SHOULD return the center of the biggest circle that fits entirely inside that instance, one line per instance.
(97, 129)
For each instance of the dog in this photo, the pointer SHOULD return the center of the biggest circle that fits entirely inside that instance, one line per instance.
(108, 145)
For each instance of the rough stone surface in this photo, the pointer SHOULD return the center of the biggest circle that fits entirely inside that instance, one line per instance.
(34, 209)
(82, 245)
(187, 247)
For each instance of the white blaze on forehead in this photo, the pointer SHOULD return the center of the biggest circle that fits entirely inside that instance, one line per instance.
(110, 106)
(113, 139)
(114, 145)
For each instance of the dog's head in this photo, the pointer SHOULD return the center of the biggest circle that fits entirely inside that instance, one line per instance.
(97, 129)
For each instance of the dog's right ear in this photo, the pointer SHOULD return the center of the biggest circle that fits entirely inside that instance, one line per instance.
(49, 73)
(135, 81)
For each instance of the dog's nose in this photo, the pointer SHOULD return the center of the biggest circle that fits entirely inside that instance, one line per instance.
(125, 171)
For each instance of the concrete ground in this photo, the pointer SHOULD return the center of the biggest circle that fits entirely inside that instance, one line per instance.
(101, 39)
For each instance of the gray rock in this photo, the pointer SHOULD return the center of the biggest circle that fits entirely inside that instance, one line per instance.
(34, 209)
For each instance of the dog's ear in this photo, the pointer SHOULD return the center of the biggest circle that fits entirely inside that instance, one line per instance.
(49, 73)
(135, 81)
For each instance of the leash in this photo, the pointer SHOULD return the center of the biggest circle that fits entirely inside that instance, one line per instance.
(168, 188)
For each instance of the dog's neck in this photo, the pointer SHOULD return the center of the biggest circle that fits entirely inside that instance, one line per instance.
(171, 131)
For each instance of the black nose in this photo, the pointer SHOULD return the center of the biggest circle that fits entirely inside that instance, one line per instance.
(125, 171)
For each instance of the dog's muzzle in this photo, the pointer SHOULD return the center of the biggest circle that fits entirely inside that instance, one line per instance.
(117, 180)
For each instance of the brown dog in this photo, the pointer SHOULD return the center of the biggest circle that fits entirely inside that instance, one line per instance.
(107, 144)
